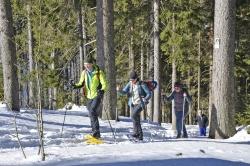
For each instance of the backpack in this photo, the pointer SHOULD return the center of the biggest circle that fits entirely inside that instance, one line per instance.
(151, 84)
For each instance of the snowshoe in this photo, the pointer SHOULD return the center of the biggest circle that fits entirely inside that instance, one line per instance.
(90, 140)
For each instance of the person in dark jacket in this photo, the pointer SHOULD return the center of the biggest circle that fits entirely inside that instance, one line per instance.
(181, 104)
(202, 121)
(139, 94)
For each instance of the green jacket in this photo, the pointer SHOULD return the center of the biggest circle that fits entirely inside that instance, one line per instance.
(90, 82)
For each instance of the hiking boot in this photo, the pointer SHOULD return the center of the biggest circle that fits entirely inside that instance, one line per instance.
(96, 135)
(185, 136)
(140, 138)
(135, 135)
(178, 136)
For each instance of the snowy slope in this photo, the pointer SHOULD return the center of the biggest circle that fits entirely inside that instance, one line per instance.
(159, 147)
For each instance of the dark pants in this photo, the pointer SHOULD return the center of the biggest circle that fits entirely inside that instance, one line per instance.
(136, 110)
(92, 106)
(180, 123)
(203, 131)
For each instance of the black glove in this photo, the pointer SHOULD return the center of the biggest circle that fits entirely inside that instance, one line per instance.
(100, 92)
(72, 83)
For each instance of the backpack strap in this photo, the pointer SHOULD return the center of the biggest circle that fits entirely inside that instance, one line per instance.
(142, 90)
(98, 77)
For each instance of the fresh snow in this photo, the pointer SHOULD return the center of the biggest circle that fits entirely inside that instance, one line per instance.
(159, 148)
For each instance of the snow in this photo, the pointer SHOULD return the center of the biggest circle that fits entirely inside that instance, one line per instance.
(159, 148)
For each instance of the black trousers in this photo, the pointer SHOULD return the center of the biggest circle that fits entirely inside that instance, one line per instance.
(136, 110)
(92, 106)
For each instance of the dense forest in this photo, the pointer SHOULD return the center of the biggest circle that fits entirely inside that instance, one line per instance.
(167, 41)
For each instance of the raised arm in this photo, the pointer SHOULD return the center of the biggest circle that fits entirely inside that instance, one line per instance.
(125, 90)
(170, 97)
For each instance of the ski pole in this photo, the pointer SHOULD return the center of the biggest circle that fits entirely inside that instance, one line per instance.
(183, 110)
(67, 107)
(112, 130)
(151, 135)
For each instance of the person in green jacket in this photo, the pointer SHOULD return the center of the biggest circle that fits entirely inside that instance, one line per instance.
(94, 83)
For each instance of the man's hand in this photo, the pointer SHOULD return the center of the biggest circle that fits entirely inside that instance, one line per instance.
(71, 84)
(118, 88)
(145, 101)
(100, 92)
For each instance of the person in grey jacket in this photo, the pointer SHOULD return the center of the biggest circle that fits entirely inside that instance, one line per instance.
(139, 94)
(181, 104)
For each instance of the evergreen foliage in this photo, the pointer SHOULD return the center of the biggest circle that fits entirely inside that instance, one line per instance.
(55, 30)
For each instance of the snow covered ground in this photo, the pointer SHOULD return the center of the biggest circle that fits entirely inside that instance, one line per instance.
(159, 147)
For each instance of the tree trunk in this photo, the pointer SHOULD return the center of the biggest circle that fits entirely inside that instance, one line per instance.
(142, 62)
(157, 57)
(212, 114)
(223, 95)
(147, 60)
(131, 52)
(55, 98)
(84, 35)
(80, 35)
(190, 105)
(72, 76)
(108, 31)
(39, 114)
(100, 59)
(31, 97)
(173, 80)
(131, 56)
(8, 55)
(150, 106)
(199, 71)
(143, 113)
(52, 90)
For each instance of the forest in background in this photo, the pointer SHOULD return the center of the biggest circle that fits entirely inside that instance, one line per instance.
(186, 40)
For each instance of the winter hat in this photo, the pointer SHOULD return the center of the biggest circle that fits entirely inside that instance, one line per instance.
(133, 75)
(89, 59)
(177, 84)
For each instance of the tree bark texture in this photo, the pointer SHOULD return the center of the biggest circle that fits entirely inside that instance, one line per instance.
(108, 33)
(31, 95)
(223, 95)
(100, 59)
(157, 57)
(8, 55)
